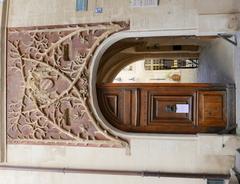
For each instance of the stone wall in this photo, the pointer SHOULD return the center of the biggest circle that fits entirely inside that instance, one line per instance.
(194, 153)
(193, 16)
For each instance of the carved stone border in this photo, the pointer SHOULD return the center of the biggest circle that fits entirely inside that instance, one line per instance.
(37, 60)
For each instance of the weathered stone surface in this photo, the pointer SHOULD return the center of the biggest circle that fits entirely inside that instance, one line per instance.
(47, 85)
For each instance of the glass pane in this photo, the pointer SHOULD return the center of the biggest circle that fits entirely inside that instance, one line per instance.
(215, 181)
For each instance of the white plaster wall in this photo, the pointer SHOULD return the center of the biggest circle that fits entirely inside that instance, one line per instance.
(140, 75)
(217, 63)
(188, 75)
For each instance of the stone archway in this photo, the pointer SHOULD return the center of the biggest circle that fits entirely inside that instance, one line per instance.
(111, 68)
(94, 71)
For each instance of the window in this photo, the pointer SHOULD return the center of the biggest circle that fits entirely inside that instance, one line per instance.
(153, 64)
(144, 3)
(167, 64)
(81, 5)
(215, 181)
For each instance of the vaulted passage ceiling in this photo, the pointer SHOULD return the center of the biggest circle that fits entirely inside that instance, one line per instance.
(129, 50)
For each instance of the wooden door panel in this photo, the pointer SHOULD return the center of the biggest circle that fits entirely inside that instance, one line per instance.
(159, 109)
(131, 107)
(112, 104)
(212, 108)
(120, 106)
(153, 108)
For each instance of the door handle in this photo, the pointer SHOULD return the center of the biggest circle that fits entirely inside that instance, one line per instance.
(170, 108)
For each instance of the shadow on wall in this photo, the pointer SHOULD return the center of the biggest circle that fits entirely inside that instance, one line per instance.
(217, 63)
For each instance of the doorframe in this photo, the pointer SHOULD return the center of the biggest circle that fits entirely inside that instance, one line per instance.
(94, 64)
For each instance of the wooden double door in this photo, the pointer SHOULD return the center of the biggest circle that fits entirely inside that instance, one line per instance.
(165, 108)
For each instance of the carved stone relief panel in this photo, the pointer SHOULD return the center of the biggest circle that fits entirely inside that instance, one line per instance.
(48, 87)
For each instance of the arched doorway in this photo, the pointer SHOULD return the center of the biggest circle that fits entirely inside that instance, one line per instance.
(158, 107)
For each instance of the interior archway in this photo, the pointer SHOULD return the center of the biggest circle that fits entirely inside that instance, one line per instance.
(134, 49)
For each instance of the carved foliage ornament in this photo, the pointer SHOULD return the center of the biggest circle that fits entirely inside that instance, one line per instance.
(47, 85)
